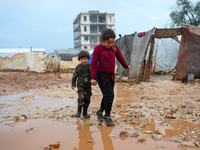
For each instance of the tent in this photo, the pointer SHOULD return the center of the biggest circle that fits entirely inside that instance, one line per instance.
(165, 55)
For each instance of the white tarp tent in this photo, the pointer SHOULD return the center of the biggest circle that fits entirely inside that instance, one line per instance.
(30, 61)
(165, 55)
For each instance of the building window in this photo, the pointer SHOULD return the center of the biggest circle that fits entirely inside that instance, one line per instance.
(86, 38)
(85, 18)
(110, 27)
(110, 19)
(85, 47)
(85, 28)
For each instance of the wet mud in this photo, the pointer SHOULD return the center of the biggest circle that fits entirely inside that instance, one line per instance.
(160, 114)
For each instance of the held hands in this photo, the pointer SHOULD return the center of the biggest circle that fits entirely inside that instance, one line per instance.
(73, 87)
(94, 82)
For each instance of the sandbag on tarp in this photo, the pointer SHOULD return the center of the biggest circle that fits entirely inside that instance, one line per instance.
(52, 63)
(66, 65)
(165, 55)
(125, 46)
(189, 54)
(17, 62)
(138, 54)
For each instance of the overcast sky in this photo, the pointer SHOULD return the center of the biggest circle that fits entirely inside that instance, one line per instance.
(49, 23)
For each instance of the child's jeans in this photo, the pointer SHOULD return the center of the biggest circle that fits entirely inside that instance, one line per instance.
(106, 83)
(84, 95)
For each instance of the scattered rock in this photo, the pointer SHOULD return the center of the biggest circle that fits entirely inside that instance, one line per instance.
(141, 140)
(161, 131)
(188, 144)
(146, 132)
(123, 133)
(134, 135)
(91, 142)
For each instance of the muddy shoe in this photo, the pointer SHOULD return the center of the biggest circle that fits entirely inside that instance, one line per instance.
(99, 115)
(78, 114)
(108, 120)
(86, 115)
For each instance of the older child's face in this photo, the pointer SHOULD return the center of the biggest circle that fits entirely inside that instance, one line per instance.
(84, 60)
(109, 43)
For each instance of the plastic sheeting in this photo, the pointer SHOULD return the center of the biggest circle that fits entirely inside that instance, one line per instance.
(52, 63)
(31, 61)
(165, 55)
(189, 54)
(66, 65)
(138, 54)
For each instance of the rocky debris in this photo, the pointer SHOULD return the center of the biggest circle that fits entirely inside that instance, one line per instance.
(141, 140)
(188, 144)
(123, 134)
(134, 135)
(156, 136)
(112, 136)
(146, 132)
(161, 131)
(91, 142)
(198, 143)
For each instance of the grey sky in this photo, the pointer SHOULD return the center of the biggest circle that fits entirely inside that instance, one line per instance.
(49, 23)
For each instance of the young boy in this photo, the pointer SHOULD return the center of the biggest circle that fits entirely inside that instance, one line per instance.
(83, 73)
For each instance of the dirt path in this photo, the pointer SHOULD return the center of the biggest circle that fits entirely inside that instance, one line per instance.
(36, 113)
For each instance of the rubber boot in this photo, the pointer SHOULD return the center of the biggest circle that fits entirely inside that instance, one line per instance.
(85, 114)
(78, 114)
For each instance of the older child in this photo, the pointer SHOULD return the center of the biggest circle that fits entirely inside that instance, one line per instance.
(102, 70)
(83, 73)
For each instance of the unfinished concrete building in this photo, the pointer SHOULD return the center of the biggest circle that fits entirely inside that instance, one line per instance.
(87, 27)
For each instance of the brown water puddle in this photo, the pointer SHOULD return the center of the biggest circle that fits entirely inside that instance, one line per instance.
(86, 134)
(76, 134)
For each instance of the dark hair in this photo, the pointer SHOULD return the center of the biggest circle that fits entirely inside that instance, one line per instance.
(83, 54)
(106, 33)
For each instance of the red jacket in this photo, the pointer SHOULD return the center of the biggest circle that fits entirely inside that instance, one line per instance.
(106, 59)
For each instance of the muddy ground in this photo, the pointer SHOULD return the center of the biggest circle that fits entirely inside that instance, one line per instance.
(37, 113)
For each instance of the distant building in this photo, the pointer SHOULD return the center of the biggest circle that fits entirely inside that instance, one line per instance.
(87, 27)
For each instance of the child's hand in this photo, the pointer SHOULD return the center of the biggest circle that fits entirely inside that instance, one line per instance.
(129, 67)
(94, 82)
(73, 87)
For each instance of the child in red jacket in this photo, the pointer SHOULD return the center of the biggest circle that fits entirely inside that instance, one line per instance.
(102, 71)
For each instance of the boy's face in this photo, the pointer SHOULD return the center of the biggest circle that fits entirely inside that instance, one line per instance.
(84, 60)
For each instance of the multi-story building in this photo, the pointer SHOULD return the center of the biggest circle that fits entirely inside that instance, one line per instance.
(87, 27)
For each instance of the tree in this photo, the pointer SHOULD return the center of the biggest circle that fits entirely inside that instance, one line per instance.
(185, 12)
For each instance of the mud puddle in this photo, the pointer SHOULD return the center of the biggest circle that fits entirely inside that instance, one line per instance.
(83, 133)
(159, 114)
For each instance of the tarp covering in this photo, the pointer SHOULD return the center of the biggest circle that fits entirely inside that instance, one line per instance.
(193, 29)
(167, 33)
(165, 55)
(30, 61)
(189, 54)
(52, 63)
(66, 65)
(138, 54)
(18, 62)
(125, 45)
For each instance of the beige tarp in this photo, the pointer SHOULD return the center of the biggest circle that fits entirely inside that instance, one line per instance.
(52, 63)
(66, 65)
(31, 61)
(18, 62)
